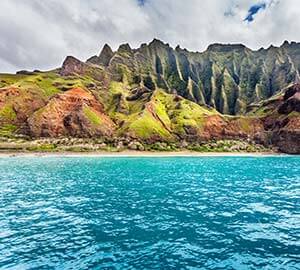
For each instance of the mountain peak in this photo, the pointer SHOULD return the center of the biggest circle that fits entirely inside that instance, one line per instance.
(72, 65)
(106, 49)
(219, 47)
(285, 43)
(125, 48)
(105, 55)
(157, 43)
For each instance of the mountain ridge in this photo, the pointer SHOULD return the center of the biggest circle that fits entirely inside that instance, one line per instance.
(204, 77)
(159, 94)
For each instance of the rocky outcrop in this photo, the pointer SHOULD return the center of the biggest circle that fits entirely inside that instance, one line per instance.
(282, 120)
(103, 59)
(219, 127)
(158, 94)
(227, 77)
(287, 135)
(72, 66)
(73, 113)
(291, 100)
(105, 55)
(17, 104)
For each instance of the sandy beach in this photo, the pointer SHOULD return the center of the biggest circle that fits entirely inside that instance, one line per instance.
(129, 153)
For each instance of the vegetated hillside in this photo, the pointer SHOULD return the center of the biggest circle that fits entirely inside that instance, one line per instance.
(153, 94)
(226, 77)
(281, 117)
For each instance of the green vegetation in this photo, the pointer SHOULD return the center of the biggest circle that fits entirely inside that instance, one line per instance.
(42, 148)
(7, 130)
(107, 144)
(153, 94)
(180, 113)
(92, 115)
(145, 126)
(245, 124)
(227, 146)
(7, 113)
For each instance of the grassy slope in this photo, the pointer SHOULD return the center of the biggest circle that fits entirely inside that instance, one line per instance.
(36, 87)
(162, 116)
(157, 115)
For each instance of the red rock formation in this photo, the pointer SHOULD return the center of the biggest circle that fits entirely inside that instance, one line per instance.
(23, 102)
(219, 127)
(73, 113)
(284, 121)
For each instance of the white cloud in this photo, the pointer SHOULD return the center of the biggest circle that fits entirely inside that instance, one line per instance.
(39, 34)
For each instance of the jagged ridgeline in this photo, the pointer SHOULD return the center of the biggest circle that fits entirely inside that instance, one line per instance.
(156, 93)
(225, 77)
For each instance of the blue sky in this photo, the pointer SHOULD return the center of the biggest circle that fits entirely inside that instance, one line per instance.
(141, 2)
(253, 10)
(39, 34)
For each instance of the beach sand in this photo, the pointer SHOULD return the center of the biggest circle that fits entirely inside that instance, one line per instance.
(130, 153)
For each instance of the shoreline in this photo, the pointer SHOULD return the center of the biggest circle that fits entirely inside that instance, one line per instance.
(131, 153)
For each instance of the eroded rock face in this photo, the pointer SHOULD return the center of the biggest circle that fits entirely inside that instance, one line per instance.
(219, 127)
(285, 126)
(72, 66)
(104, 57)
(73, 113)
(8, 93)
(18, 104)
(227, 77)
(291, 100)
(287, 138)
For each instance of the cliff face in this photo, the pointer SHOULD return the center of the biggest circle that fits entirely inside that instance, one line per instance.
(226, 77)
(281, 118)
(73, 113)
(156, 93)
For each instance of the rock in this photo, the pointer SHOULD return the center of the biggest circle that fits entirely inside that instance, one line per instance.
(21, 104)
(105, 55)
(102, 145)
(287, 141)
(25, 72)
(73, 113)
(183, 144)
(137, 93)
(71, 66)
(284, 127)
(120, 146)
(124, 48)
(291, 91)
(291, 100)
(134, 145)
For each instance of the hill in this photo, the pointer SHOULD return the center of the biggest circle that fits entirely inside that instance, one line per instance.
(159, 94)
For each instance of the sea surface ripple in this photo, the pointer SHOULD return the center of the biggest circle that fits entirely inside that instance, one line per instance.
(150, 213)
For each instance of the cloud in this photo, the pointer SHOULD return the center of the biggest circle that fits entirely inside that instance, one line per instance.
(39, 34)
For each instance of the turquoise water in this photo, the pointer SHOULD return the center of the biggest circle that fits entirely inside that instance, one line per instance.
(150, 213)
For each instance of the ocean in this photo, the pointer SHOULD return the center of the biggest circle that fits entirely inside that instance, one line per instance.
(150, 213)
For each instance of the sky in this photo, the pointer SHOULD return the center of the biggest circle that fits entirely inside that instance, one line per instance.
(40, 34)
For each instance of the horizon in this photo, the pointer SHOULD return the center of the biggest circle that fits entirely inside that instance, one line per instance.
(39, 35)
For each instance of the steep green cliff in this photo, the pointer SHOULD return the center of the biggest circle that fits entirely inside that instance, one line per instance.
(226, 77)
(159, 94)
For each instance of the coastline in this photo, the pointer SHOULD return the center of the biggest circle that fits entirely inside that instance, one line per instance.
(132, 153)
